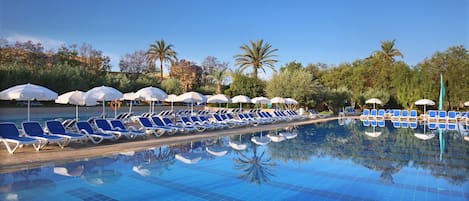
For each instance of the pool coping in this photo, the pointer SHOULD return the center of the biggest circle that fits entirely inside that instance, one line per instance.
(27, 158)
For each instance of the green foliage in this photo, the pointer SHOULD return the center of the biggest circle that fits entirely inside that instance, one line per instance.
(291, 66)
(244, 85)
(172, 86)
(337, 98)
(258, 55)
(377, 93)
(162, 52)
(297, 84)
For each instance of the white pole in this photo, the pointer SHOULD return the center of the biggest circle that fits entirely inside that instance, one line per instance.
(76, 111)
(28, 108)
(115, 108)
(130, 108)
(104, 112)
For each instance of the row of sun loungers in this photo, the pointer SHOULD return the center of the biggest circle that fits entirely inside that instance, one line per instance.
(96, 130)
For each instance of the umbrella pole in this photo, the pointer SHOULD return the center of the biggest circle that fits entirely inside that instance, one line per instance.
(424, 113)
(104, 116)
(115, 111)
(76, 112)
(130, 108)
(192, 108)
(28, 108)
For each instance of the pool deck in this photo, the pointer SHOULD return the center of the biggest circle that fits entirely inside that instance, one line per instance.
(27, 157)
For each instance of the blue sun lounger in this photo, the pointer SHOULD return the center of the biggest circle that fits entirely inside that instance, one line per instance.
(34, 130)
(105, 127)
(157, 130)
(56, 128)
(117, 124)
(95, 137)
(9, 134)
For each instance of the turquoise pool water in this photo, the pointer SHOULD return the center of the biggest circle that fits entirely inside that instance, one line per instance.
(325, 161)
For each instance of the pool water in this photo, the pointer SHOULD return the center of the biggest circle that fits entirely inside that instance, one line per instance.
(325, 161)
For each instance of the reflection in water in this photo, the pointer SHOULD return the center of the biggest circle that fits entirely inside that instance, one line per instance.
(255, 169)
(23, 180)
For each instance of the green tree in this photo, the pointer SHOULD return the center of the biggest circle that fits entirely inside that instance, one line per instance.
(256, 55)
(388, 52)
(162, 52)
(172, 86)
(244, 85)
(297, 84)
(219, 77)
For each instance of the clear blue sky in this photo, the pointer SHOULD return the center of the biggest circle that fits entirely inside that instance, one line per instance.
(330, 32)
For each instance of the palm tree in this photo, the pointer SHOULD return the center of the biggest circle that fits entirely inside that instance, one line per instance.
(219, 76)
(257, 55)
(160, 51)
(388, 52)
(255, 168)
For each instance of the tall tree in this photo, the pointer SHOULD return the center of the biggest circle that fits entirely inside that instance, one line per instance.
(256, 55)
(162, 52)
(388, 52)
(219, 77)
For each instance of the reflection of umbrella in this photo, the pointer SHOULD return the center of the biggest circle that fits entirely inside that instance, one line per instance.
(104, 93)
(424, 102)
(276, 138)
(27, 92)
(260, 140)
(424, 135)
(75, 98)
(100, 177)
(238, 145)
(188, 158)
(374, 133)
(374, 101)
(70, 172)
(216, 150)
(241, 99)
(151, 94)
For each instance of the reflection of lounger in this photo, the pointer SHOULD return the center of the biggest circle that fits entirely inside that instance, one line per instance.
(432, 125)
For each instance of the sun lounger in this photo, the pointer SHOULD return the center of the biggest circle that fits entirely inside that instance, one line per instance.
(413, 116)
(404, 115)
(396, 124)
(95, 137)
(441, 116)
(105, 127)
(452, 117)
(9, 134)
(433, 115)
(155, 129)
(187, 122)
(34, 130)
(381, 113)
(182, 127)
(396, 115)
(117, 124)
(56, 128)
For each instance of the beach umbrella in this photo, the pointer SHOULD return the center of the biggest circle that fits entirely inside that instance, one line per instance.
(171, 98)
(75, 98)
(466, 103)
(191, 97)
(28, 92)
(219, 98)
(291, 101)
(241, 99)
(424, 102)
(131, 96)
(104, 93)
(374, 101)
(277, 100)
(260, 100)
(152, 94)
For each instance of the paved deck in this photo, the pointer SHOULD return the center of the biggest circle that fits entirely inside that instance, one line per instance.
(26, 157)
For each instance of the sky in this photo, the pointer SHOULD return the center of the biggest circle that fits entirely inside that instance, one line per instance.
(331, 32)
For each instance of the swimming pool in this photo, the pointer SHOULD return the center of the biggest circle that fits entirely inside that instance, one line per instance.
(325, 161)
